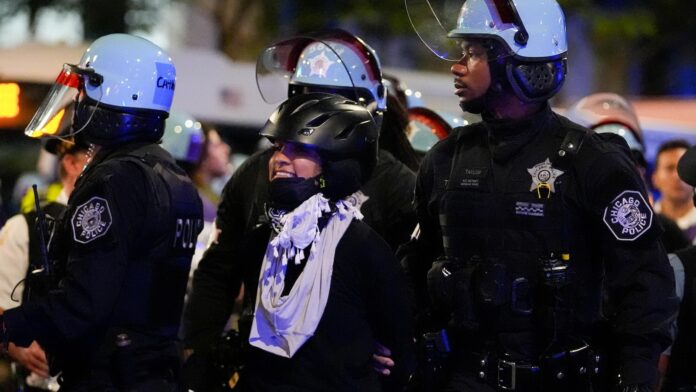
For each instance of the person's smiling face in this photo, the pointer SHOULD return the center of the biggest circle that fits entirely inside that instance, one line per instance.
(293, 160)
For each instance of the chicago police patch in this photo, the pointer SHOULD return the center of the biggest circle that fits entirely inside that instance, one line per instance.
(628, 216)
(91, 220)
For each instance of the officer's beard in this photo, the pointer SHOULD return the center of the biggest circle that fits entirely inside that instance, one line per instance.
(474, 106)
(485, 103)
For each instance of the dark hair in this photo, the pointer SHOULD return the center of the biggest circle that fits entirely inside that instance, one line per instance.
(671, 145)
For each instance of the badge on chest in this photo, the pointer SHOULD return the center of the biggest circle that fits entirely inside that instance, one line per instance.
(544, 177)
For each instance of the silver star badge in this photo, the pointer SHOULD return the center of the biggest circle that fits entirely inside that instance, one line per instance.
(320, 64)
(544, 174)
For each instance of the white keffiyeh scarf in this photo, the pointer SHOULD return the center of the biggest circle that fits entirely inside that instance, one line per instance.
(282, 324)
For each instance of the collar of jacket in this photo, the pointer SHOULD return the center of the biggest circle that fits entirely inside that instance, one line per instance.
(507, 137)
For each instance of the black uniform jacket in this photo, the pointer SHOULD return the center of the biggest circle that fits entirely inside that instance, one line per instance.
(597, 212)
(123, 250)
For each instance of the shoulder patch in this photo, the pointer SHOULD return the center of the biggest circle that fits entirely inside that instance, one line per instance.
(91, 220)
(628, 216)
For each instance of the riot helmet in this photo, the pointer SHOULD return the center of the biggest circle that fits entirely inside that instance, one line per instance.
(121, 91)
(525, 40)
(609, 113)
(342, 132)
(427, 127)
(329, 61)
(183, 138)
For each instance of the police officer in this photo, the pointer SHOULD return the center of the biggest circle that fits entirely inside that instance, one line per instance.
(123, 246)
(315, 66)
(543, 228)
(612, 113)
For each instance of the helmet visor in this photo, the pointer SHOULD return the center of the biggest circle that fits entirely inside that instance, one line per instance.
(435, 22)
(66, 90)
(313, 60)
(432, 20)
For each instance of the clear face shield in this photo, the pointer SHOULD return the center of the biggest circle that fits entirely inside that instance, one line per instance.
(69, 88)
(448, 27)
(333, 62)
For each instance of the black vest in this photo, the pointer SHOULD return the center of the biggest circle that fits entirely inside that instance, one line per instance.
(150, 300)
(508, 215)
(162, 265)
(157, 268)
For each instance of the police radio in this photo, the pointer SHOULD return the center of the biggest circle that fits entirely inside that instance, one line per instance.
(41, 228)
(39, 279)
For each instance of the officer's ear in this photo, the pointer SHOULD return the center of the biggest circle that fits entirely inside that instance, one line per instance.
(74, 163)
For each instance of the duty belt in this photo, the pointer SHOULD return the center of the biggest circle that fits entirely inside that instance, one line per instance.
(504, 374)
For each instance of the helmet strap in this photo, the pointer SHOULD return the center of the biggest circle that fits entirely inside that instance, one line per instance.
(109, 125)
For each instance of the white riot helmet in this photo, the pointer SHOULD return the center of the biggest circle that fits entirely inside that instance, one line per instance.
(609, 113)
(330, 61)
(122, 90)
(528, 39)
(183, 138)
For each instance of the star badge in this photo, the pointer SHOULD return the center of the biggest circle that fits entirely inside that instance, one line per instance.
(320, 64)
(544, 174)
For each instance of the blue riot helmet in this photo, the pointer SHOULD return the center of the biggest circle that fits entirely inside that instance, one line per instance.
(526, 40)
(184, 138)
(121, 90)
(330, 61)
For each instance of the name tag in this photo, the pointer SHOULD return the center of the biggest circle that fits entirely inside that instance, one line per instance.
(470, 178)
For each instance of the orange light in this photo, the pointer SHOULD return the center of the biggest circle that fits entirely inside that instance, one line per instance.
(52, 127)
(9, 100)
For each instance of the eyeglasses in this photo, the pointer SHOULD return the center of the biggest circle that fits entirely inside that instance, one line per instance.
(472, 55)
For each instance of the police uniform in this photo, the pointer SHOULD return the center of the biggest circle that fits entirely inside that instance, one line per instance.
(123, 249)
(542, 220)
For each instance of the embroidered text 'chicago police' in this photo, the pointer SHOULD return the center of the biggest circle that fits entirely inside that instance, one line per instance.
(628, 216)
(91, 220)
